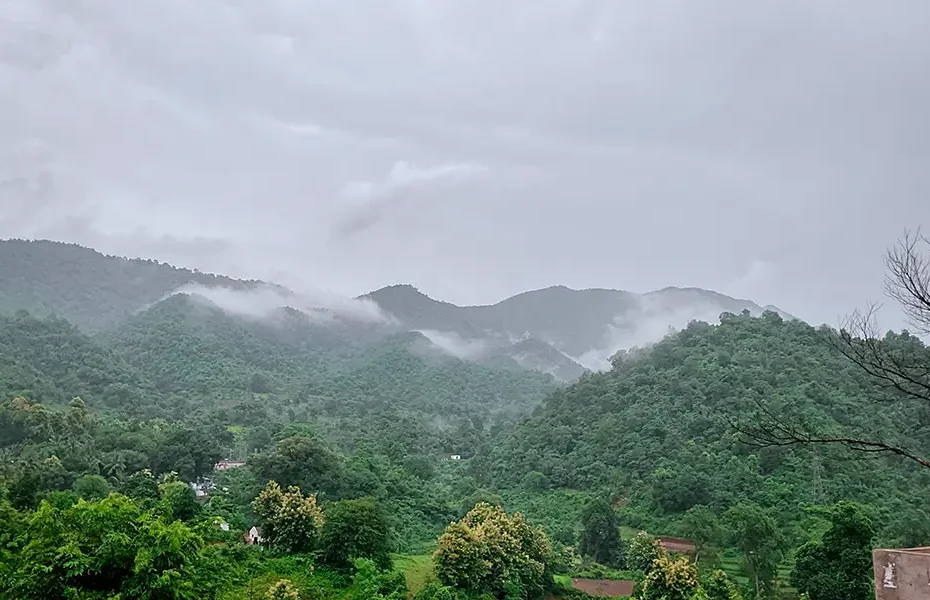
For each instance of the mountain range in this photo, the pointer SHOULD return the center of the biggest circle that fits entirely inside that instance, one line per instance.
(556, 330)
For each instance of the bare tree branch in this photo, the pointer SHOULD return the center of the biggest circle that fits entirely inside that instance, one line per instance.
(898, 365)
(860, 341)
(907, 279)
(775, 432)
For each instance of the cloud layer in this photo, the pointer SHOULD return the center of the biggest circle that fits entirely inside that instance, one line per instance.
(476, 148)
(265, 301)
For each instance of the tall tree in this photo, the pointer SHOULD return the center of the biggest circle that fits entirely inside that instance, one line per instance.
(356, 529)
(600, 539)
(291, 520)
(838, 566)
(757, 536)
(491, 552)
(701, 526)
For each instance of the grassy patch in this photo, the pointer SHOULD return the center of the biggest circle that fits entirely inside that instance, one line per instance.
(417, 569)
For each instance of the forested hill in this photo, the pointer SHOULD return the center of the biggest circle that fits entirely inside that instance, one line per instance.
(656, 429)
(91, 290)
(555, 330)
(186, 358)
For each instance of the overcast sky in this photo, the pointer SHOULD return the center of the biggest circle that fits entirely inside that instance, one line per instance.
(476, 148)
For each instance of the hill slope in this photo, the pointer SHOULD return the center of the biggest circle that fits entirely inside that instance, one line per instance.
(655, 429)
(288, 367)
(51, 359)
(87, 288)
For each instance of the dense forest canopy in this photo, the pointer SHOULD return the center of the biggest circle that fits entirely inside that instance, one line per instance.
(351, 430)
(656, 430)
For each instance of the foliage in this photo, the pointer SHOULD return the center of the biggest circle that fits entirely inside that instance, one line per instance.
(437, 591)
(600, 539)
(180, 500)
(718, 586)
(838, 566)
(670, 579)
(642, 552)
(489, 551)
(756, 534)
(282, 589)
(109, 546)
(370, 583)
(141, 485)
(143, 382)
(658, 429)
(701, 525)
(355, 529)
(91, 487)
(291, 521)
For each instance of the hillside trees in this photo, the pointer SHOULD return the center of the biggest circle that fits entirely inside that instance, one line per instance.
(109, 546)
(898, 365)
(659, 426)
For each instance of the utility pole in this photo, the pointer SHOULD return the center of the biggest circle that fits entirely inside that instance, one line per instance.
(817, 469)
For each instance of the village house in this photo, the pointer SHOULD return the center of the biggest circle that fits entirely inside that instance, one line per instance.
(253, 536)
(223, 465)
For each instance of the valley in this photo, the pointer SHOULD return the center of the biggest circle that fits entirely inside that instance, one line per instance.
(124, 381)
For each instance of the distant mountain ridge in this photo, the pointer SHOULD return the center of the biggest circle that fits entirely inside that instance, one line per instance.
(574, 327)
(556, 330)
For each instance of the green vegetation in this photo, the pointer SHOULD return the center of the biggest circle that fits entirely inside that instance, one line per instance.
(346, 432)
(656, 432)
(836, 567)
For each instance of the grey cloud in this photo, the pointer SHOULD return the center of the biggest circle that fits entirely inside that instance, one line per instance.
(371, 202)
(627, 145)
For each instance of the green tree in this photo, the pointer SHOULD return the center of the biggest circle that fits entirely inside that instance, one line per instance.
(371, 583)
(642, 552)
(600, 538)
(756, 534)
(291, 520)
(107, 548)
(91, 487)
(491, 552)
(355, 529)
(282, 589)
(670, 579)
(141, 486)
(701, 525)
(180, 500)
(838, 566)
(719, 586)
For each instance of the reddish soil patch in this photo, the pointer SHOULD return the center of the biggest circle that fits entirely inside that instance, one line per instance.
(673, 544)
(604, 588)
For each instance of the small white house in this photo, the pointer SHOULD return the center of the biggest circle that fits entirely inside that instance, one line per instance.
(253, 536)
(455, 457)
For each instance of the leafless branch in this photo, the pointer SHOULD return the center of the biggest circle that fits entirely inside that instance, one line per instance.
(860, 341)
(900, 366)
(775, 432)
(907, 278)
